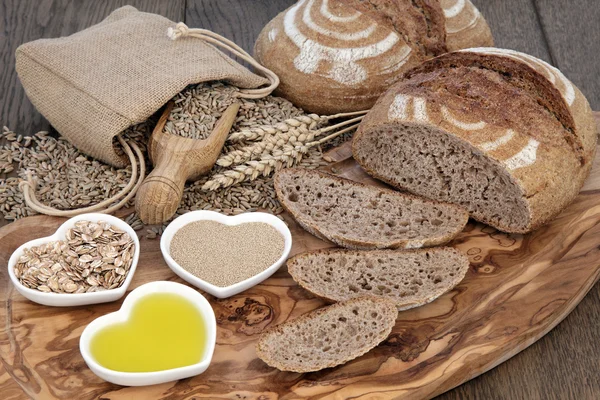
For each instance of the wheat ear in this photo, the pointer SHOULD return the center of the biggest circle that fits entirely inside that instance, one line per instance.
(310, 120)
(267, 145)
(300, 134)
(287, 157)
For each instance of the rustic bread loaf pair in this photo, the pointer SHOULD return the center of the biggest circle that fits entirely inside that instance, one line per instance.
(341, 55)
(358, 216)
(501, 133)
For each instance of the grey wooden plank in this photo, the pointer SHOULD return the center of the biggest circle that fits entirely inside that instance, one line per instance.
(240, 21)
(25, 20)
(515, 25)
(573, 32)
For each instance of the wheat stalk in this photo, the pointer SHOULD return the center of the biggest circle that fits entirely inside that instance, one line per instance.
(300, 134)
(287, 156)
(267, 145)
(310, 121)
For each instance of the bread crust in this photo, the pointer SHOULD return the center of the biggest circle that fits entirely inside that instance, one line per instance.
(562, 129)
(364, 245)
(466, 28)
(295, 260)
(386, 305)
(340, 55)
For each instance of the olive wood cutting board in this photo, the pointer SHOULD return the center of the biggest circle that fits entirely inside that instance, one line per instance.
(518, 287)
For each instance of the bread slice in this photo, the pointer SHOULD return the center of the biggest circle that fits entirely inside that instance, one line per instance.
(358, 216)
(328, 336)
(410, 278)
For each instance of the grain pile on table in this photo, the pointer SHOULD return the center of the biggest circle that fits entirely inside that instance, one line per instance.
(198, 108)
(69, 178)
(268, 134)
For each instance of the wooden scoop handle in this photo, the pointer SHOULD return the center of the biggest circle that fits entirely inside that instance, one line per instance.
(159, 196)
(177, 159)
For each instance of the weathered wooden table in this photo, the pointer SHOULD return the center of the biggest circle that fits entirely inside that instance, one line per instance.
(564, 364)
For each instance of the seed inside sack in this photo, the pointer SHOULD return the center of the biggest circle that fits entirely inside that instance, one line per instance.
(198, 107)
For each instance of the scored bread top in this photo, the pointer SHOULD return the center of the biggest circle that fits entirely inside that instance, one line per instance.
(359, 216)
(339, 55)
(464, 25)
(410, 278)
(328, 336)
(516, 109)
(420, 24)
(484, 82)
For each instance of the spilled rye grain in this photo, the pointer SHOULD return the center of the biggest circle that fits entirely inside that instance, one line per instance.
(70, 179)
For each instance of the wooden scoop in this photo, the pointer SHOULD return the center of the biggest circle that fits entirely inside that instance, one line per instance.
(177, 159)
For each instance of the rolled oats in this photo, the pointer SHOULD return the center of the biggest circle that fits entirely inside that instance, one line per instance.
(82, 263)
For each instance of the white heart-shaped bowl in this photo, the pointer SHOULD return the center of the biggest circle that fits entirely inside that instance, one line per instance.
(75, 299)
(150, 378)
(223, 292)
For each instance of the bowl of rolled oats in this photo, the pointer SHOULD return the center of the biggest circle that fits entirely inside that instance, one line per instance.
(90, 259)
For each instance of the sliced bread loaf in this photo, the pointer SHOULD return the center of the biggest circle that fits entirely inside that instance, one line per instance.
(410, 278)
(358, 216)
(498, 132)
(328, 336)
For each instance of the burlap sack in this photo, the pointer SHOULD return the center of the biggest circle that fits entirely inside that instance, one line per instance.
(94, 84)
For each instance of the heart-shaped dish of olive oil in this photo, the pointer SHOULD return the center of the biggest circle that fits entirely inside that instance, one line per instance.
(164, 331)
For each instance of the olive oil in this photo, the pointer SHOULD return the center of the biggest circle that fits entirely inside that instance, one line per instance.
(164, 331)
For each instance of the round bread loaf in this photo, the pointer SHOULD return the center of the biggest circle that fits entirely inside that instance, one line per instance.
(341, 55)
(501, 133)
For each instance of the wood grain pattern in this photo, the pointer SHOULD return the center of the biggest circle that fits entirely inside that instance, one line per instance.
(517, 289)
(240, 21)
(515, 25)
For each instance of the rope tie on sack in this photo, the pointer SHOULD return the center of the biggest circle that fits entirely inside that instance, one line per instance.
(28, 187)
(182, 30)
